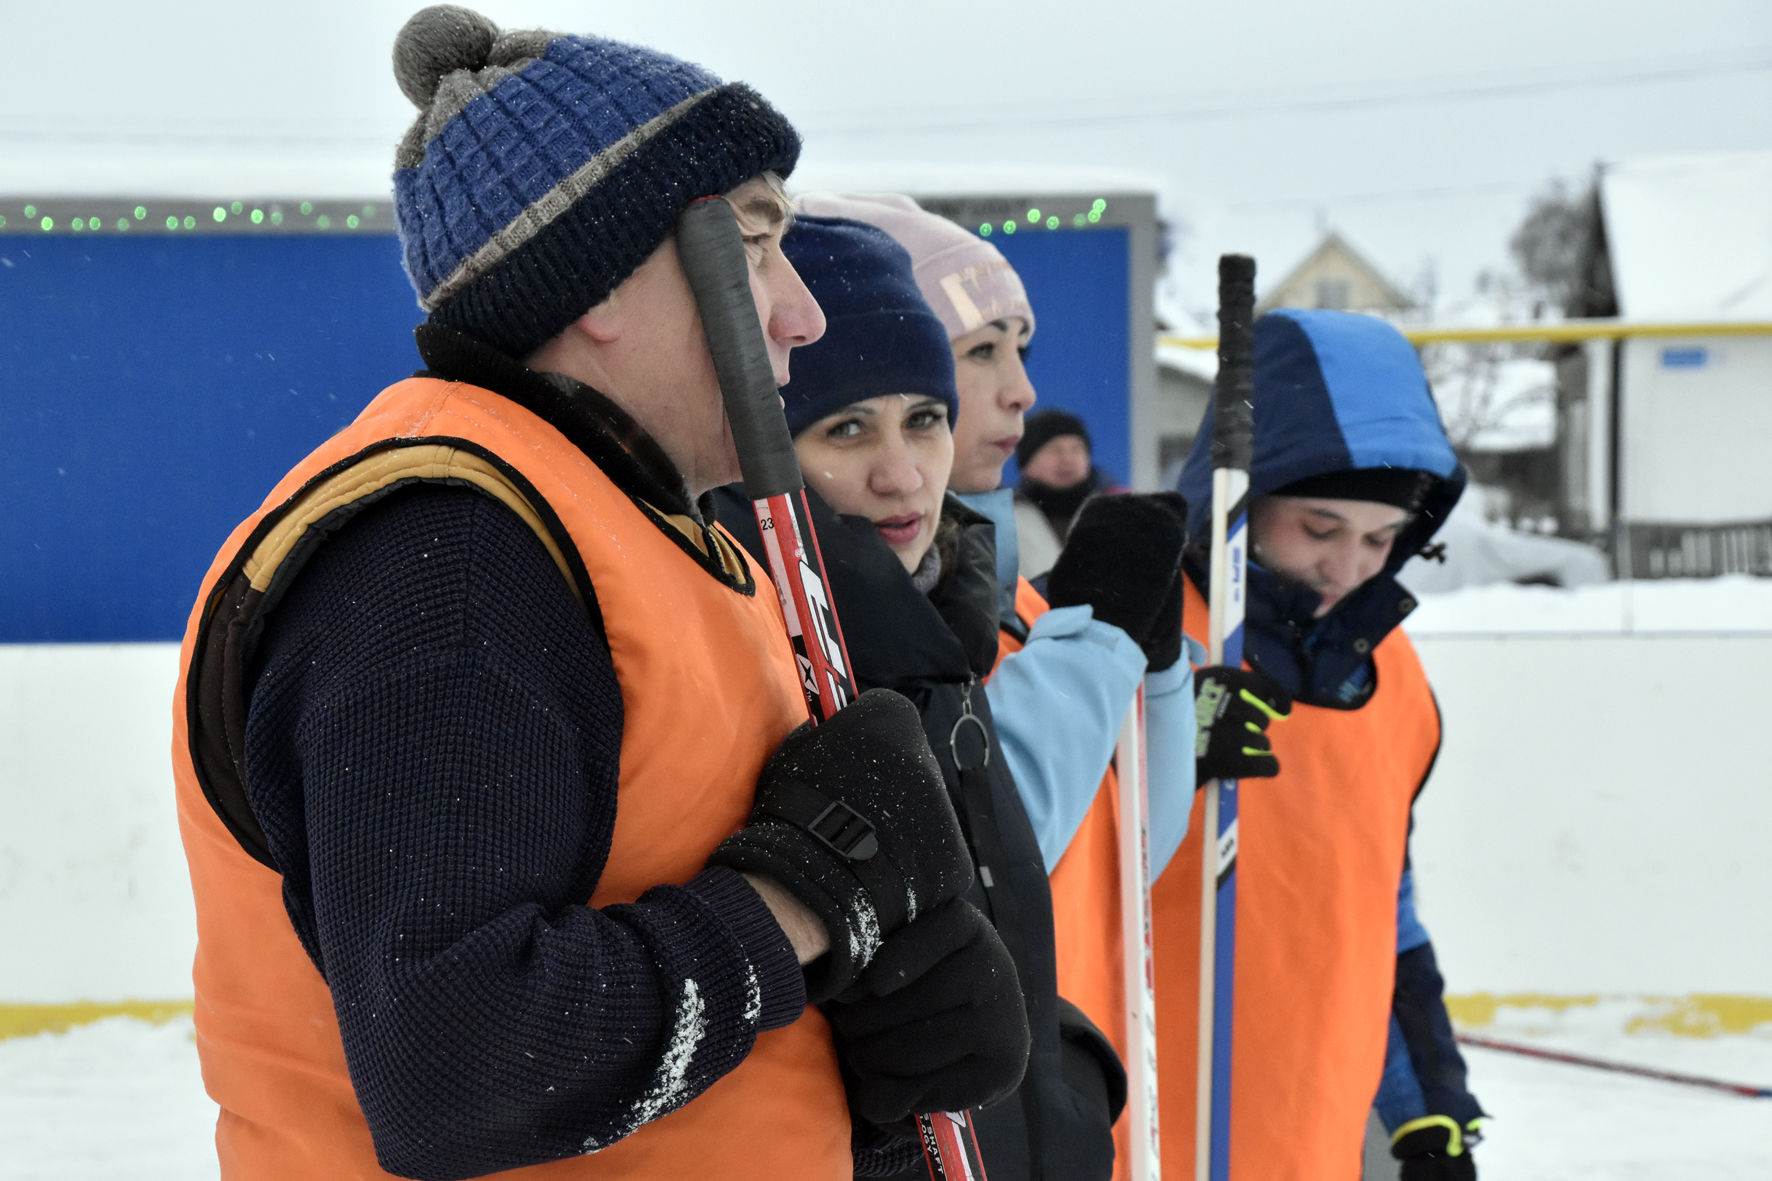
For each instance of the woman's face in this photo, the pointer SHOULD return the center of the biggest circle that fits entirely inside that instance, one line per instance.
(886, 459)
(1328, 544)
(994, 394)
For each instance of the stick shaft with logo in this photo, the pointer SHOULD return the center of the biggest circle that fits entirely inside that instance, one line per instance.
(712, 250)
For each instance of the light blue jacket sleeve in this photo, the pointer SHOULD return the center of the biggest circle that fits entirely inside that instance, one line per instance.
(1169, 753)
(1058, 704)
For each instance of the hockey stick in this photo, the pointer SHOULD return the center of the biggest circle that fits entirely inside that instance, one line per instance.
(1232, 432)
(1666, 1076)
(712, 252)
(1135, 936)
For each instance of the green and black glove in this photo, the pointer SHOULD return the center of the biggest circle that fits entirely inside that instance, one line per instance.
(1435, 1148)
(853, 819)
(1232, 710)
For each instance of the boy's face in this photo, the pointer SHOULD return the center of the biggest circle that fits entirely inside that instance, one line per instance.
(1332, 546)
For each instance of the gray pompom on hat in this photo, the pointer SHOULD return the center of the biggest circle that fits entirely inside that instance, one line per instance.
(543, 168)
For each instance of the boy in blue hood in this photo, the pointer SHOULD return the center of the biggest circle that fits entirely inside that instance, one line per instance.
(1336, 983)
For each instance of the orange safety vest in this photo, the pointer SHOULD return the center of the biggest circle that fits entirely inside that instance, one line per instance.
(1086, 904)
(1320, 858)
(709, 688)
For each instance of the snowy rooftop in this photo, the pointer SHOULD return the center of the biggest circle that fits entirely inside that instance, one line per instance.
(1691, 236)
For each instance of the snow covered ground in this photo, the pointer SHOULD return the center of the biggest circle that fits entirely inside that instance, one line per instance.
(1731, 603)
(120, 1100)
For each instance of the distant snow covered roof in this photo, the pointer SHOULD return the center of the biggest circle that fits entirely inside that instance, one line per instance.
(1200, 363)
(1508, 406)
(1691, 236)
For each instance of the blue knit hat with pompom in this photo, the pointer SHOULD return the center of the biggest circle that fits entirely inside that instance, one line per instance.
(544, 168)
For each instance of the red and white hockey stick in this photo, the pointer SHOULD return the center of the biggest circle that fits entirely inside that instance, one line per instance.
(712, 250)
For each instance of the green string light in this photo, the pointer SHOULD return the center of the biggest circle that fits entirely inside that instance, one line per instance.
(2, 221)
(1052, 222)
(235, 207)
(325, 222)
(258, 217)
(1100, 206)
(1008, 227)
(78, 225)
(369, 211)
(190, 222)
(1033, 217)
(220, 214)
(1080, 219)
(47, 223)
(30, 211)
(351, 221)
(123, 223)
(307, 207)
(1094, 216)
(984, 231)
(276, 217)
(140, 213)
(172, 223)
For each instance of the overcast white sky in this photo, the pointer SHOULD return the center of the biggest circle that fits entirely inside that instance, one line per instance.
(1417, 129)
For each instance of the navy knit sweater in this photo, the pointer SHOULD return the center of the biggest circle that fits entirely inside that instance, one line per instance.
(432, 750)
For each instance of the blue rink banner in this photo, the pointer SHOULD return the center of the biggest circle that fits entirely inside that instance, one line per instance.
(154, 388)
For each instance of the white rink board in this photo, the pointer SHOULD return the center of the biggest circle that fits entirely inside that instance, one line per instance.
(1598, 819)
(1596, 823)
(94, 899)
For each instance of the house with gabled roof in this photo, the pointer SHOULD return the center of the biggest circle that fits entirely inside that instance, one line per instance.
(1336, 276)
(1667, 438)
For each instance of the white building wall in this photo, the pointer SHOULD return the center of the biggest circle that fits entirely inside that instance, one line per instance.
(1696, 439)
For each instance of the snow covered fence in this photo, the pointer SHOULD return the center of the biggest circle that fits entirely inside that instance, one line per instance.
(1595, 827)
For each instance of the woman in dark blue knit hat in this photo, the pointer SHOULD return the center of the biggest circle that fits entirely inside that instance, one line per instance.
(871, 407)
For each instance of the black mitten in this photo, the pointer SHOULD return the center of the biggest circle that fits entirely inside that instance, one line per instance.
(853, 819)
(1123, 559)
(1232, 709)
(937, 1022)
(1435, 1148)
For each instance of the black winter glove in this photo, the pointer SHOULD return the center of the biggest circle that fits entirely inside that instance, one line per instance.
(937, 1022)
(1122, 558)
(1232, 709)
(853, 819)
(1435, 1148)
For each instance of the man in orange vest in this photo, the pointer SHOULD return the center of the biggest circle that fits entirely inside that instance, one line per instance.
(507, 854)
(1352, 474)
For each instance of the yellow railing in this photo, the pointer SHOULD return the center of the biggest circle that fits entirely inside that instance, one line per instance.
(1563, 332)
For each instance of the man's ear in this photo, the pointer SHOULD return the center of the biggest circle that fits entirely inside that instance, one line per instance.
(603, 323)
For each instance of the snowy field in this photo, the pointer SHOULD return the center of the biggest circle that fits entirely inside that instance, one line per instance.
(120, 1100)
(1564, 907)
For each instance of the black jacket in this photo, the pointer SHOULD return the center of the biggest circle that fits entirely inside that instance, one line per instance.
(936, 650)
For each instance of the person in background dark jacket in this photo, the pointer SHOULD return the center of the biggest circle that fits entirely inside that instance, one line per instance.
(1058, 473)
(912, 573)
